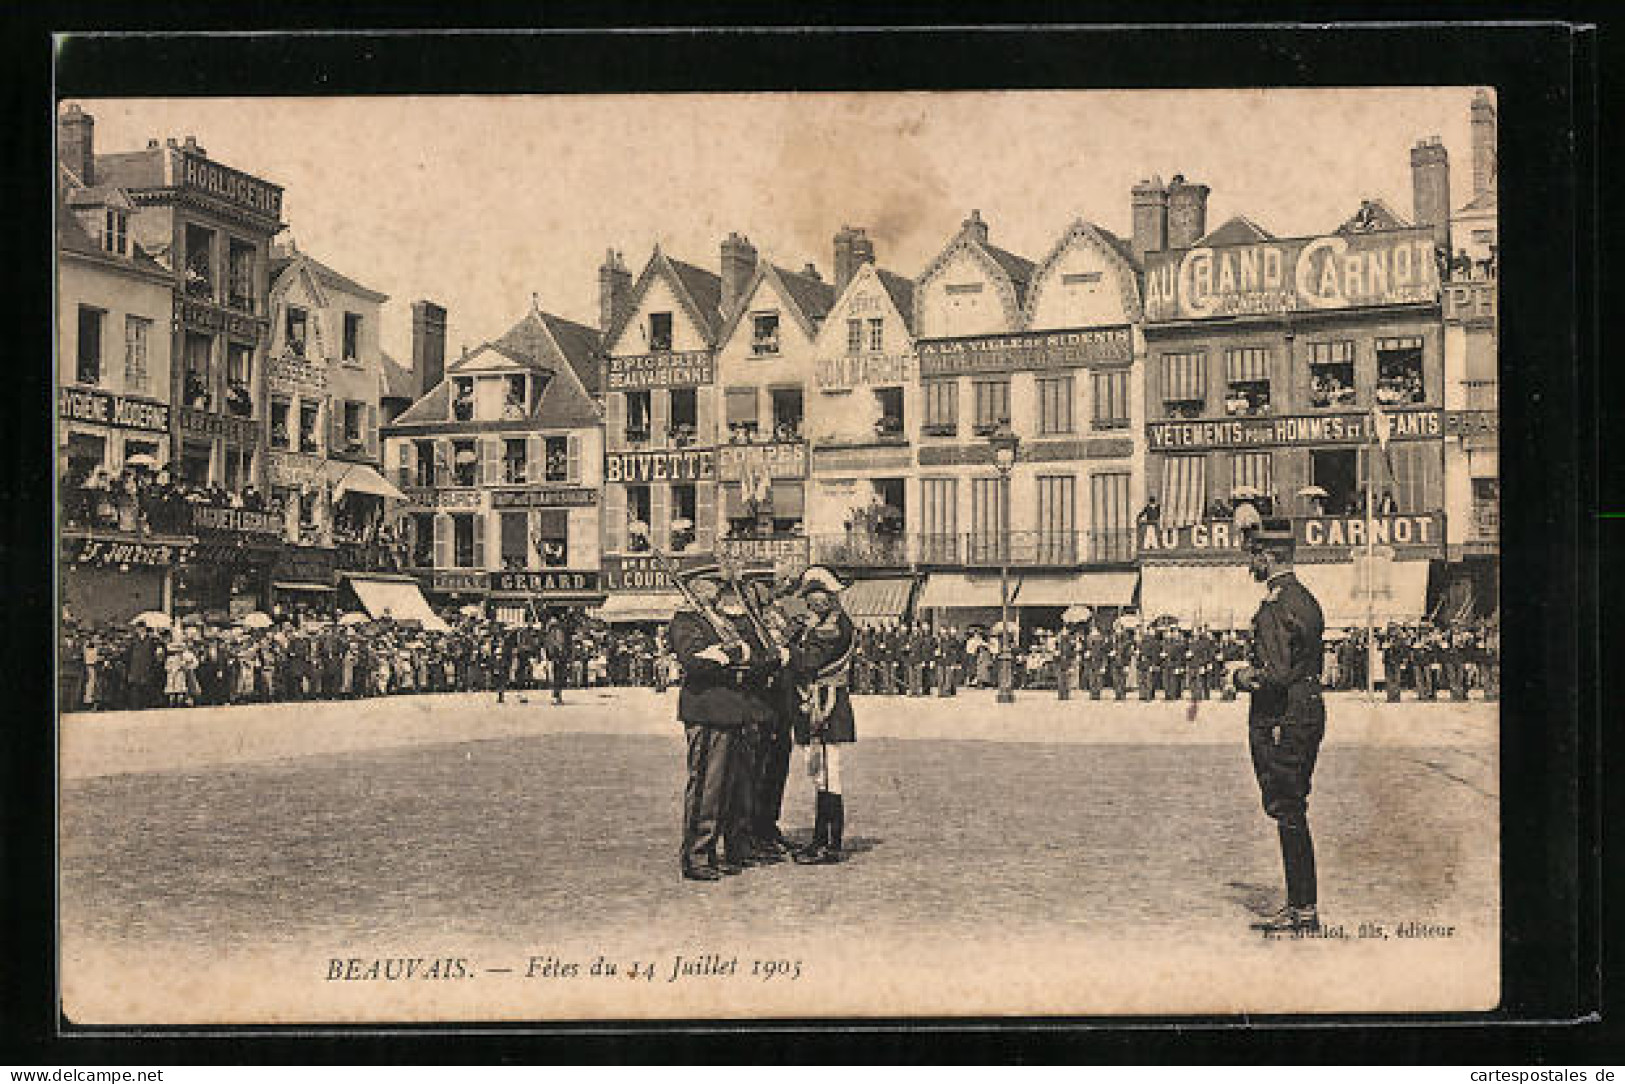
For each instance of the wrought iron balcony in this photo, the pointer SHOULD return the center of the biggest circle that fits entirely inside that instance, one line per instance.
(1018, 549)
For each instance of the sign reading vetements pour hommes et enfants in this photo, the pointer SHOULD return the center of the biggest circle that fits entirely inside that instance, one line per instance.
(1032, 350)
(1302, 430)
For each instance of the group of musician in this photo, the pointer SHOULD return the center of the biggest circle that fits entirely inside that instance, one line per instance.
(758, 676)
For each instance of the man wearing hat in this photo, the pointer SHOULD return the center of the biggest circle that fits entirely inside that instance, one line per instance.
(820, 657)
(1287, 718)
(725, 670)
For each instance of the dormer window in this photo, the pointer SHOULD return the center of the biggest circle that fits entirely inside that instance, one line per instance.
(659, 331)
(115, 237)
(352, 336)
(764, 333)
(462, 400)
(298, 324)
(513, 399)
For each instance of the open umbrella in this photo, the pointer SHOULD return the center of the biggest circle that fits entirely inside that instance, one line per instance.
(473, 609)
(682, 523)
(142, 460)
(1312, 491)
(1076, 615)
(153, 619)
(1129, 621)
(466, 456)
(191, 620)
(1245, 493)
(1004, 626)
(354, 617)
(255, 620)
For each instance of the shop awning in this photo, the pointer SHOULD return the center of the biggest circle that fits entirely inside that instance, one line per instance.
(946, 590)
(395, 598)
(626, 607)
(1114, 588)
(869, 602)
(1218, 596)
(1401, 593)
(301, 585)
(360, 478)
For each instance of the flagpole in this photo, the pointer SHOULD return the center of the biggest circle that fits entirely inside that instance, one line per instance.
(1370, 556)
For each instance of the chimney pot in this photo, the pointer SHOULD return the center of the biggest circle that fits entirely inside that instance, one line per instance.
(152, 144)
(1187, 212)
(428, 345)
(76, 143)
(738, 264)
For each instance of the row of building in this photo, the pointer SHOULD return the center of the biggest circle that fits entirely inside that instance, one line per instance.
(774, 414)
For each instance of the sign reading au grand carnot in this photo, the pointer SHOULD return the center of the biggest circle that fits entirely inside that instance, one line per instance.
(1319, 533)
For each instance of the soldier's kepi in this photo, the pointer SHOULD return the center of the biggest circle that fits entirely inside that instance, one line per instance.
(1287, 718)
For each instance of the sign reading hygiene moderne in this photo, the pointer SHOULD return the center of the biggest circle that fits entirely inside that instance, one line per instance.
(1319, 533)
(1304, 430)
(686, 369)
(684, 465)
(1391, 267)
(639, 572)
(231, 185)
(100, 408)
(545, 583)
(861, 370)
(1031, 350)
(737, 461)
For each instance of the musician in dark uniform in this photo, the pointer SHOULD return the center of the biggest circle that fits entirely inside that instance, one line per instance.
(1394, 651)
(1096, 657)
(1122, 660)
(1287, 718)
(820, 657)
(725, 667)
(1204, 653)
(1174, 655)
(1066, 662)
(1148, 656)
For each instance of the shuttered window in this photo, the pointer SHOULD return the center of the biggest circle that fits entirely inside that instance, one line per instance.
(1184, 378)
(1057, 525)
(942, 406)
(986, 518)
(1111, 400)
(741, 406)
(1054, 405)
(789, 500)
(1245, 364)
(1252, 469)
(1413, 473)
(515, 540)
(992, 404)
(1184, 489)
(939, 518)
(1111, 521)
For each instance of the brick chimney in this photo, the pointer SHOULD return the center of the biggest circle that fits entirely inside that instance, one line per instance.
(1430, 188)
(738, 265)
(76, 143)
(853, 249)
(191, 144)
(614, 291)
(811, 272)
(1187, 212)
(1150, 218)
(1484, 153)
(428, 345)
(974, 227)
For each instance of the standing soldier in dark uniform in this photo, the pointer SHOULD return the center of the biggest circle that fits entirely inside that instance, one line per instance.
(723, 663)
(1393, 662)
(1203, 653)
(914, 657)
(1122, 660)
(1096, 657)
(1148, 656)
(819, 658)
(556, 641)
(1174, 655)
(1066, 661)
(1456, 655)
(1287, 718)
(772, 738)
(1422, 659)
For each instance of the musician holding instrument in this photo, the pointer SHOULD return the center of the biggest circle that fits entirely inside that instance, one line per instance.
(820, 660)
(726, 666)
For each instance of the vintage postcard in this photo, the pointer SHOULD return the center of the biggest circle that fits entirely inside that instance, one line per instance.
(770, 556)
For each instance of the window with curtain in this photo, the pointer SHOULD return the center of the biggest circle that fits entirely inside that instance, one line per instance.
(1054, 405)
(1331, 374)
(553, 537)
(89, 370)
(515, 541)
(137, 331)
(789, 506)
(1111, 532)
(1184, 385)
(992, 404)
(1413, 472)
(941, 407)
(741, 414)
(939, 518)
(1184, 489)
(1057, 523)
(1111, 400)
(987, 519)
(1252, 469)
(1247, 376)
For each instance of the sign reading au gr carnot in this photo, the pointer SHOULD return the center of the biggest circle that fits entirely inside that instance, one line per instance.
(1414, 532)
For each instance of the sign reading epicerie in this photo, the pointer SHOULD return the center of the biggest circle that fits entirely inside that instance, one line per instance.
(1033, 350)
(1302, 430)
(1392, 267)
(1319, 533)
(686, 369)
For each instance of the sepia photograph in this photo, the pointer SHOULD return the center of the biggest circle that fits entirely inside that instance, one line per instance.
(767, 556)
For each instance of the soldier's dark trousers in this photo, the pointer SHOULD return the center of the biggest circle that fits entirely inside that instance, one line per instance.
(1492, 681)
(1199, 686)
(1063, 682)
(739, 813)
(705, 798)
(1284, 764)
(772, 770)
(1391, 682)
(1095, 679)
(1120, 682)
(1171, 685)
(1424, 683)
(1458, 681)
(1147, 690)
(916, 679)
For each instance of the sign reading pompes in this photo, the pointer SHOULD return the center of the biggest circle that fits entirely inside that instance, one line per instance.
(1390, 267)
(1302, 430)
(738, 461)
(687, 369)
(1419, 532)
(554, 582)
(686, 465)
(1033, 350)
(100, 408)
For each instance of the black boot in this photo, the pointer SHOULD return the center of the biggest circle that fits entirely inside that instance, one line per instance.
(809, 854)
(837, 826)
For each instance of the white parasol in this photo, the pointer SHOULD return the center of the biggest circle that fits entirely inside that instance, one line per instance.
(1076, 615)
(354, 618)
(142, 460)
(255, 620)
(153, 619)
(1312, 491)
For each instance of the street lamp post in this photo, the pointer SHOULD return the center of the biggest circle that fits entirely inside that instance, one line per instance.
(1005, 445)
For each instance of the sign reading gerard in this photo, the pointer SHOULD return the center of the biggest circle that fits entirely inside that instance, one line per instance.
(686, 369)
(80, 405)
(232, 185)
(556, 582)
(1209, 537)
(736, 461)
(1033, 350)
(688, 465)
(1302, 430)
(1391, 267)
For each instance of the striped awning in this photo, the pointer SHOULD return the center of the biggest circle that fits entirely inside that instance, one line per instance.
(869, 602)
(1184, 377)
(1247, 363)
(1114, 588)
(1184, 489)
(947, 590)
(626, 607)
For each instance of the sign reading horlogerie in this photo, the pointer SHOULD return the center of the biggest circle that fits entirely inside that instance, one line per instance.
(1300, 430)
(1320, 533)
(1391, 267)
(1031, 350)
(684, 369)
(231, 185)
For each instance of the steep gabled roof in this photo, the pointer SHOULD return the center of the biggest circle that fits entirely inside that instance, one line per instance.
(566, 405)
(1373, 214)
(808, 298)
(698, 291)
(399, 382)
(1484, 201)
(1014, 273)
(544, 340)
(71, 236)
(1083, 232)
(579, 345)
(1239, 230)
(434, 408)
(1019, 268)
(283, 258)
